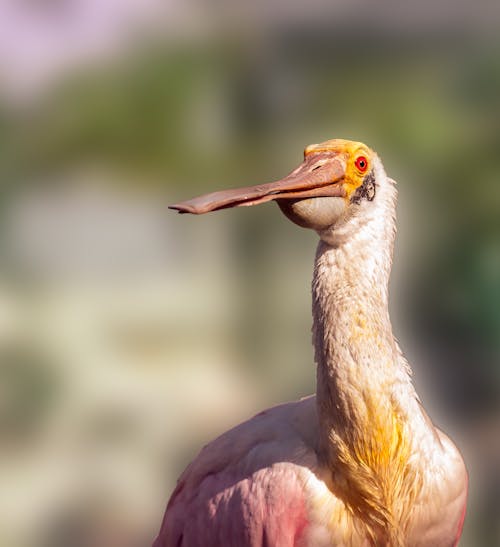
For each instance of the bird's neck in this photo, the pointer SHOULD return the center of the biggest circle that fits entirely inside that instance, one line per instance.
(366, 401)
(355, 351)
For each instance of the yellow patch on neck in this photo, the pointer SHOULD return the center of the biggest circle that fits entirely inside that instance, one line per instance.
(372, 474)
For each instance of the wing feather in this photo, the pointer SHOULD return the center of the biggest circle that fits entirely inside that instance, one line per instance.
(246, 487)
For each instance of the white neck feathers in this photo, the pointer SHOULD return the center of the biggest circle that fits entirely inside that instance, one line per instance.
(365, 398)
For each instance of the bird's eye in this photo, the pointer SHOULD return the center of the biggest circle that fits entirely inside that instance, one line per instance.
(361, 163)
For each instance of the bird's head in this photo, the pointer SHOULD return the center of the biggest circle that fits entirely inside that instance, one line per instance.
(338, 181)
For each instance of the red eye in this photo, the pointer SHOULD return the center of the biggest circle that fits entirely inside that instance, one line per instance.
(361, 163)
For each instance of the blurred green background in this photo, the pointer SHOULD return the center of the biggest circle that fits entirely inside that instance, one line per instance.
(130, 336)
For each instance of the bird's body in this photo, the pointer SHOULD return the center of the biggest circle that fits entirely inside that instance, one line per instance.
(360, 463)
(261, 484)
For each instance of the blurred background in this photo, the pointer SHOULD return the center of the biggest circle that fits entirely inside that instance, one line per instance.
(130, 336)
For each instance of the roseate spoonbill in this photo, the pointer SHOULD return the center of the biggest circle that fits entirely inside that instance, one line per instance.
(360, 463)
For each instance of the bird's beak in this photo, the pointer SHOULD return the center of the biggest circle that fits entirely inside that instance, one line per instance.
(319, 175)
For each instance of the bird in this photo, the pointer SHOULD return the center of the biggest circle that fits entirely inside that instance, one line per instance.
(360, 463)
